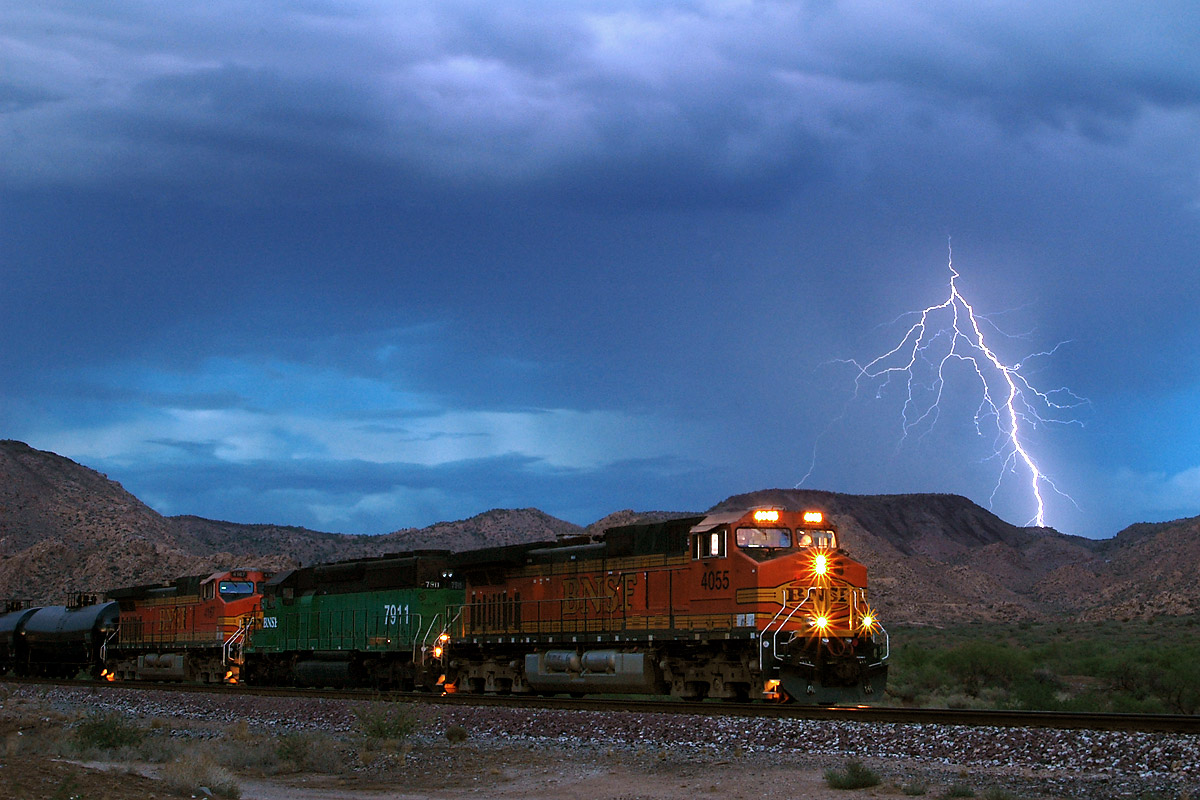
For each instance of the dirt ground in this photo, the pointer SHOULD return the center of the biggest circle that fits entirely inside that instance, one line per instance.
(618, 762)
(500, 775)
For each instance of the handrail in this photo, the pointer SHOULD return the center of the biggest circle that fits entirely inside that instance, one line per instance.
(107, 639)
(421, 642)
(784, 607)
(235, 638)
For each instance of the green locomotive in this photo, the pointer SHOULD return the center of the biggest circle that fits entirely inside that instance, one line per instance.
(374, 622)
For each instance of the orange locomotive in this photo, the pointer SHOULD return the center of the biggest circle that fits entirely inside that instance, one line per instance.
(187, 629)
(754, 603)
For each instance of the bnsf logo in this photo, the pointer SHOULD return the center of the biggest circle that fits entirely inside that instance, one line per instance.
(270, 622)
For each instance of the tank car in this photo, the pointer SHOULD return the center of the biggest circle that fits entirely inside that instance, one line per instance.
(62, 641)
(12, 636)
(192, 628)
(742, 605)
(375, 622)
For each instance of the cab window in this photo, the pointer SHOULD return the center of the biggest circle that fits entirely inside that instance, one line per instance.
(709, 545)
(769, 538)
(233, 590)
(822, 539)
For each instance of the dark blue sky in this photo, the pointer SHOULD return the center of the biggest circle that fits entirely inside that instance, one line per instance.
(362, 266)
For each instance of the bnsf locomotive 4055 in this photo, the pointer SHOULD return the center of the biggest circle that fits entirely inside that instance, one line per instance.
(733, 605)
(761, 603)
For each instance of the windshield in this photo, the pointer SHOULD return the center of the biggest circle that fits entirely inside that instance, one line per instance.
(822, 539)
(232, 590)
(764, 537)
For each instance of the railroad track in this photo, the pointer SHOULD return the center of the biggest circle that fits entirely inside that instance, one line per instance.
(1149, 723)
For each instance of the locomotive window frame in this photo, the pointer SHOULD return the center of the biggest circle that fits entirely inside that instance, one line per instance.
(710, 544)
(235, 589)
(821, 539)
(772, 538)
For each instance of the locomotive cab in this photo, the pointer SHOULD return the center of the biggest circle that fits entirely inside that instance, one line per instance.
(802, 597)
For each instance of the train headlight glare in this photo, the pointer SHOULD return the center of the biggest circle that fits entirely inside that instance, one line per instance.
(868, 621)
(813, 516)
(766, 515)
(822, 623)
(820, 564)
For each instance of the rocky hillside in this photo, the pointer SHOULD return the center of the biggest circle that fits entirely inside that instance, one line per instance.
(66, 528)
(933, 558)
(489, 529)
(256, 542)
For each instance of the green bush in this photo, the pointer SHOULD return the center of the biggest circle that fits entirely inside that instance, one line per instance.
(913, 788)
(975, 664)
(958, 790)
(855, 775)
(456, 734)
(106, 730)
(1138, 665)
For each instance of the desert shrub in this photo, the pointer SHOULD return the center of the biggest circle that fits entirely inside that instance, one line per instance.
(958, 790)
(308, 752)
(394, 721)
(156, 749)
(996, 793)
(1164, 676)
(1090, 666)
(855, 775)
(106, 730)
(194, 772)
(913, 788)
(253, 752)
(457, 734)
(913, 675)
(976, 664)
(240, 732)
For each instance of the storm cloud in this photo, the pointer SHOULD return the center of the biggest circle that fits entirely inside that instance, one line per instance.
(402, 262)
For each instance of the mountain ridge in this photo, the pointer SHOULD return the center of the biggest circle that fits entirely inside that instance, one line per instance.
(933, 558)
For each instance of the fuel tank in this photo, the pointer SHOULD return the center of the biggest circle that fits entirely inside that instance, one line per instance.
(592, 671)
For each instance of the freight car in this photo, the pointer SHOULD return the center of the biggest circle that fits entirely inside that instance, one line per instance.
(12, 638)
(188, 629)
(374, 622)
(62, 641)
(757, 603)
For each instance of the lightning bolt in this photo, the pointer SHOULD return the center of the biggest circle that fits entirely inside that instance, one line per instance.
(951, 332)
